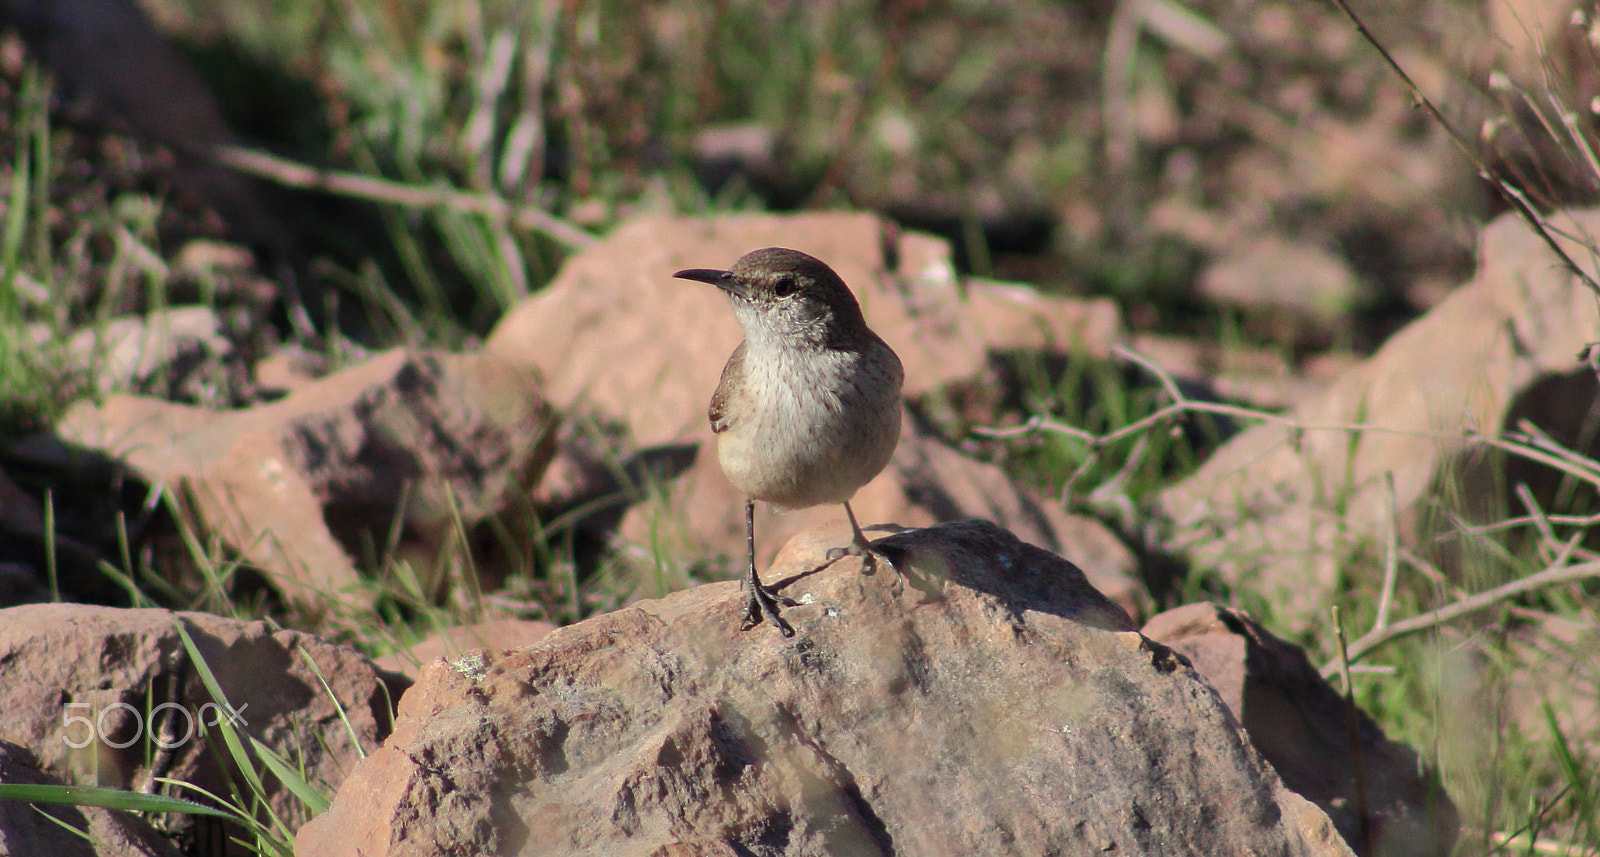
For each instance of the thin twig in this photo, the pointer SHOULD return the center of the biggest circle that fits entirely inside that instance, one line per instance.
(1430, 571)
(1512, 196)
(1540, 454)
(1150, 366)
(1526, 842)
(1037, 424)
(295, 174)
(1183, 405)
(1530, 433)
(1552, 576)
(1520, 521)
(1110, 494)
(1547, 533)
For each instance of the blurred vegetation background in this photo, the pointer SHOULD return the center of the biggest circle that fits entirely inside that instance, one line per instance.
(1183, 158)
(1160, 152)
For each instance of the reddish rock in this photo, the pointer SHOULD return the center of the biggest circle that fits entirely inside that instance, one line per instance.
(25, 829)
(1278, 507)
(616, 331)
(293, 485)
(1302, 727)
(113, 668)
(997, 705)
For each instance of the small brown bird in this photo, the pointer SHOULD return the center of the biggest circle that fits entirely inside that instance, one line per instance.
(808, 409)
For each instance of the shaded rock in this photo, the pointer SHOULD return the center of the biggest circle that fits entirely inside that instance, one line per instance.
(293, 485)
(496, 636)
(24, 830)
(20, 515)
(701, 514)
(112, 668)
(1262, 508)
(113, 68)
(1300, 725)
(617, 331)
(19, 585)
(25, 556)
(998, 705)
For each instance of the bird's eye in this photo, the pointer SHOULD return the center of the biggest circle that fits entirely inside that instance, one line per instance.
(785, 286)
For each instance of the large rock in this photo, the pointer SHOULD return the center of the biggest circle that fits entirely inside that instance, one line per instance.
(1279, 507)
(78, 685)
(294, 485)
(615, 330)
(998, 705)
(1303, 727)
(28, 828)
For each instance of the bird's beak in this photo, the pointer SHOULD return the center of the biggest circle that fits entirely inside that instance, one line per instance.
(721, 279)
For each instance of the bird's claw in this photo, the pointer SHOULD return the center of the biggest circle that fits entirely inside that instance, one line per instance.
(763, 606)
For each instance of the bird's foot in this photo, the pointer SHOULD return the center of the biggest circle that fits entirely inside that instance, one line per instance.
(763, 607)
(870, 556)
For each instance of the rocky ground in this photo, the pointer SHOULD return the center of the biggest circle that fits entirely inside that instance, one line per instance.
(989, 627)
(469, 593)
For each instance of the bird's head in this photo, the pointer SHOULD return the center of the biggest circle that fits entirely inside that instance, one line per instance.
(787, 297)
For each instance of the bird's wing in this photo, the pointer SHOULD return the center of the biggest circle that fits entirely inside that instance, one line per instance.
(727, 391)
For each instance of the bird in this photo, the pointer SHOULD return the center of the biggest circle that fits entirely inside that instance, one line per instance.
(808, 406)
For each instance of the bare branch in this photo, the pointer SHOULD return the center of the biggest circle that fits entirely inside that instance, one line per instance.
(295, 174)
(1553, 576)
(1512, 196)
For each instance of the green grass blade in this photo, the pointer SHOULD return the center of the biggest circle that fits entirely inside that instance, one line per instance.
(107, 798)
(81, 834)
(316, 802)
(230, 735)
(349, 728)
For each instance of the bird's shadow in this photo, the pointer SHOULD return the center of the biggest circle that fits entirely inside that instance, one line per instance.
(895, 555)
(980, 556)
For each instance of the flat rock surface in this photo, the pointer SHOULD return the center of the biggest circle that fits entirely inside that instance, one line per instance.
(997, 705)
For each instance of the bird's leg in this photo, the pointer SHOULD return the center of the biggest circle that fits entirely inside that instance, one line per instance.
(762, 605)
(861, 547)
